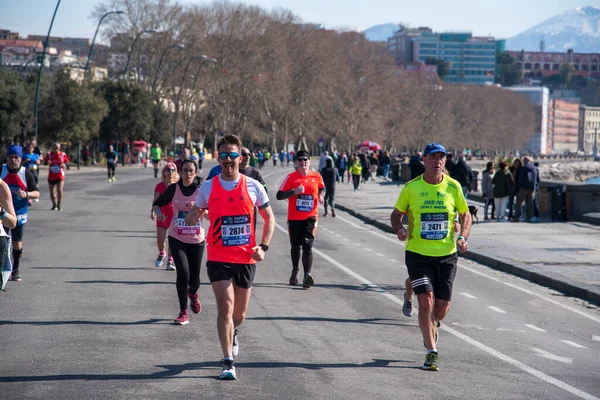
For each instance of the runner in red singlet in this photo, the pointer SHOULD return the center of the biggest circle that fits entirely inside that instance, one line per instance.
(57, 161)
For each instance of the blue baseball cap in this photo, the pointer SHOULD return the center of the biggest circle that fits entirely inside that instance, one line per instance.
(14, 150)
(434, 148)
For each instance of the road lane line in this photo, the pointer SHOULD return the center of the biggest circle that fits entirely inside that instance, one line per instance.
(573, 344)
(532, 371)
(392, 260)
(595, 338)
(380, 255)
(534, 328)
(467, 295)
(556, 303)
(550, 356)
(498, 310)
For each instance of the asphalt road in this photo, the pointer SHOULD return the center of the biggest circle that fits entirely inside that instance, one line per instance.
(92, 317)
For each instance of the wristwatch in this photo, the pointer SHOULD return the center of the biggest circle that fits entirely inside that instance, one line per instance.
(3, 214)
(264, 247)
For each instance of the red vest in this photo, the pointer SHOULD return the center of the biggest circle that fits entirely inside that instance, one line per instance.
(231, 235)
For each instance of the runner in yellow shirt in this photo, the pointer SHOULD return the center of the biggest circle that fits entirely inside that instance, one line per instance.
(431, 201)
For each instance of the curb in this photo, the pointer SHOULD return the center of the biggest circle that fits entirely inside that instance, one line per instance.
(562, 284)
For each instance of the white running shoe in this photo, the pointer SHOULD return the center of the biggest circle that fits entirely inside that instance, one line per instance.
(170, 265)
(236, 344)
(159, 261)
(228, 371)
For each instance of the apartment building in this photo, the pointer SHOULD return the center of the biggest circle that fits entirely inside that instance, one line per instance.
(472, 60)
(589, 125)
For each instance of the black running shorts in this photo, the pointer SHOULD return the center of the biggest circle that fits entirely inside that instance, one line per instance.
(302, 231)
(432, 274)
(241, 274)
(55, 181)
(16, 233)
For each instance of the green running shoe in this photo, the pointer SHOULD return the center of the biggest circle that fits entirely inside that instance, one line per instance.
(431, 361)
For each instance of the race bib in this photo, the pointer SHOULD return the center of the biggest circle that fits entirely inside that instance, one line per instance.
(21, 219)
(55, 168)
(111, 160)
(236, 230)
(32, 167)
(184, 229)
(305, 203)
(434, 226)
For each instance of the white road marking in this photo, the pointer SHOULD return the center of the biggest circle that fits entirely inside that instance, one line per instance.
(380, 255)
(556, 303)
(498, 310)
(573, 344)
(545, 354)
(338, 235)
(595, 338)
(392, 260)
(357, 245)
(532, 371)
(346, 240)
(367, 249)
(534, 328)
(467, 295)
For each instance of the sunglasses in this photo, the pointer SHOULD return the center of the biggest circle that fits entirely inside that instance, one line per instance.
(187, 171)
(171, 170)
(232, 156)
(302, 159)
(244, 154)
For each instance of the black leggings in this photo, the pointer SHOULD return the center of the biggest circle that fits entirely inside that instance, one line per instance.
(302, 236)
(356, 181)
(187, 258)
(111, 169)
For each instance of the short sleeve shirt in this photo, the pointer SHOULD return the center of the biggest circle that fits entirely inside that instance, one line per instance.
(431, 211)
(304, 205)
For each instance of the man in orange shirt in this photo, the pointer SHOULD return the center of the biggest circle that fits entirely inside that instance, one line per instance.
(302, 188)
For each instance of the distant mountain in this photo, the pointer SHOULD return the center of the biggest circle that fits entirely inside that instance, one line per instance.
(577, 29)
(380, 33)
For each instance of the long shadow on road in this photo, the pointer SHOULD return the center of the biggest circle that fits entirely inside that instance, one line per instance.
(373, 321)
(171, 371)
(82, 322)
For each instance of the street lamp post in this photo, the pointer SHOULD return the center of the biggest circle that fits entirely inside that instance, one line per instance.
(94, 39)
(37, 87)
(160, 61)
(133, 47)
(202, 57)
(211, 60)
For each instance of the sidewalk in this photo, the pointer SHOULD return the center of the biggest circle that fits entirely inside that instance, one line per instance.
(564, 256)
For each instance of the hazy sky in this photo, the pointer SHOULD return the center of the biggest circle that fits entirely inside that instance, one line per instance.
(501, 19)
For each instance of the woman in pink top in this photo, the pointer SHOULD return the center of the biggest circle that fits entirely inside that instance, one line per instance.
(185, 242)
(169, 176)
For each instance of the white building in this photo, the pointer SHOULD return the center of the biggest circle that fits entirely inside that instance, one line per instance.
(539, 96)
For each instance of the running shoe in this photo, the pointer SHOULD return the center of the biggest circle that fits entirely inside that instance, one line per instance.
(53, 207)
(59, 207)
(228, 371)
(407, 306)
(109, 180)
(326, 214)
(332, 213)
(159, 261)
(436, 334)
(308, 281)
(195, 303)
(170, 265)
(236, 344)
(182, 319)
(37, 200)
(114, 179)
(15, 276)
(431, 361)
(294, 278)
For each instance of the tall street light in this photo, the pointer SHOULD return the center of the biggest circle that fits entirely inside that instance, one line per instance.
(162, 57)
(133, 47)
(211, 60)
(94, 39)
(37, 87)
(202, 57)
